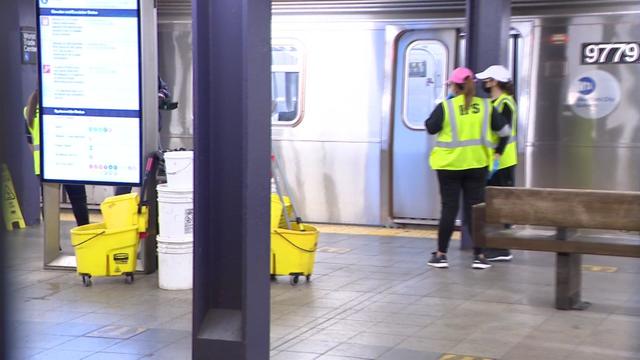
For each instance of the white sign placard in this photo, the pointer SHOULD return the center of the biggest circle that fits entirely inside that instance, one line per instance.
(594, 94)
(90, 91)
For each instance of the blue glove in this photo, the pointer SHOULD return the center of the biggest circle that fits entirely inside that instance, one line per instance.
(494, 168)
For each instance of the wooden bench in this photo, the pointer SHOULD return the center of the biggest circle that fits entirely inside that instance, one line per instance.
(566, 212)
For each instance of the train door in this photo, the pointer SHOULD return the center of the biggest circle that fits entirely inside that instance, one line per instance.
(423, 60)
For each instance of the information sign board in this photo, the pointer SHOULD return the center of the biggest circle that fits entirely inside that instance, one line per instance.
(90, 98)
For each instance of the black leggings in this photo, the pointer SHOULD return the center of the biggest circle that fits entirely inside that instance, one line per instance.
(78, 198)
(503, 177)
(471, 182)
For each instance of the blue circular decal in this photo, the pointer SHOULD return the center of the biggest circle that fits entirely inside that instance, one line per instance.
(587, 85)
(594, 94)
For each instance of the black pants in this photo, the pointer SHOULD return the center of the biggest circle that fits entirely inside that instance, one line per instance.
(471, 182)
(121, 190)
(503, 177)
(78, 198)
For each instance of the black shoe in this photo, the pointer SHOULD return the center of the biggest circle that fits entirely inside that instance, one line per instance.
(480, 262)
(498, 255)
(438, 261)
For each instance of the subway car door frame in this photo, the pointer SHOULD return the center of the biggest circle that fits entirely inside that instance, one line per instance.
(413, 186)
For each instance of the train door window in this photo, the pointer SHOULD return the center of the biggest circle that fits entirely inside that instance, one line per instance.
(424, 80)
(286, 88)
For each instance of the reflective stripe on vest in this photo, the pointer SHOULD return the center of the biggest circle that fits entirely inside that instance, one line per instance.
(456, 142)
(510, 155)
(503, 100)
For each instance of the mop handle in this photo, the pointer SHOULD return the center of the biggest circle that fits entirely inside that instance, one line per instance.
(286, 191)
(274, 174)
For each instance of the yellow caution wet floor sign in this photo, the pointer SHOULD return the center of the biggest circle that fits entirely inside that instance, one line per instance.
(10, 207)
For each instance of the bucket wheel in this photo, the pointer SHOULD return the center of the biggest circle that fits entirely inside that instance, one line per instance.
(128, 278)
(308, 278)
(293, 280)
(86, 280)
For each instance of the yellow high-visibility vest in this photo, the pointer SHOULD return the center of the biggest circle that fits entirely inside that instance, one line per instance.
(463, 143)
(34, 129)
(510, 155)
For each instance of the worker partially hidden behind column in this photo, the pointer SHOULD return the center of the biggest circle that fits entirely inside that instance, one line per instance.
(463, 125)
(496, 81)
(77, 193)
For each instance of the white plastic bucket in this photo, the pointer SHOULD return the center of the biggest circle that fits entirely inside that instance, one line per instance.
(175, 265)
(179, 169)
(175, 212)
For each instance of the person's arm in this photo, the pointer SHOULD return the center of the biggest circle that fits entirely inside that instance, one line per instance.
(508, 115)
(163, 90)
(435, 120)
(500, 126)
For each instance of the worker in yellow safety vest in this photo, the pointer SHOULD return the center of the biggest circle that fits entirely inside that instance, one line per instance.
(77, 193)
(463, 125)
(496, 81)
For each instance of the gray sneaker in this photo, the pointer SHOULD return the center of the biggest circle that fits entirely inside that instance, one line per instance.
(480, 262)
(498, 255)
(438, 261)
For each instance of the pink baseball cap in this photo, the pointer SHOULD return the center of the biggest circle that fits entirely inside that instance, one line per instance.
(459, 74)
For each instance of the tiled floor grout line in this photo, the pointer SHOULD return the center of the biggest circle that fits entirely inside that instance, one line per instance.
(367, 296)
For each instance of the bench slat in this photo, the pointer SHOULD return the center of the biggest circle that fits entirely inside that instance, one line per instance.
(510, 239)
(580, 209)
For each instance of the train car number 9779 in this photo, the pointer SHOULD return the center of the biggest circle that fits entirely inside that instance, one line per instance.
(610, 53)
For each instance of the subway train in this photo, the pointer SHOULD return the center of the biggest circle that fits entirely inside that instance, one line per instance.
(353, 82)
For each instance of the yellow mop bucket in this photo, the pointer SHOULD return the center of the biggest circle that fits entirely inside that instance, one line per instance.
(105, 252)
(110, 248)
(293, 252)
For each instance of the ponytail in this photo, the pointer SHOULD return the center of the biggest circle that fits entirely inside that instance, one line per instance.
(507, 87)
(469, 91)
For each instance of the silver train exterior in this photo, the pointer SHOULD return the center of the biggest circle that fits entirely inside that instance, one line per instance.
(353, 82)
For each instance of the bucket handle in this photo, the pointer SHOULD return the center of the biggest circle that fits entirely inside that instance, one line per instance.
(177, 171)
(91, 238)
(296, 246)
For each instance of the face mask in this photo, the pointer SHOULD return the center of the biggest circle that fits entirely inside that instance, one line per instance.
(486, 88)
(450, 95)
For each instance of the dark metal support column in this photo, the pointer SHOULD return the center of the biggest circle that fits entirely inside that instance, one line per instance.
(232, 157)
(487, 43)
(488, 26)
(11, 137)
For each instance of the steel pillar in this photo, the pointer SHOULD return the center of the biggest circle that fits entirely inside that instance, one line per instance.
(232, 156)
(11, 136)
(488, 26)
(487, 43)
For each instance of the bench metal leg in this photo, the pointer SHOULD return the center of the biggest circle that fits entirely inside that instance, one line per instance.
(569, 282)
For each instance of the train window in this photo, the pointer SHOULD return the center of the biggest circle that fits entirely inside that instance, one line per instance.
(286, 89)
(424, 80)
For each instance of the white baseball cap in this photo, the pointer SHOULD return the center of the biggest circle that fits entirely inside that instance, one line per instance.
(496, 72)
